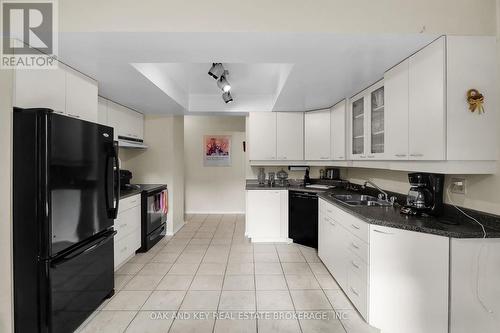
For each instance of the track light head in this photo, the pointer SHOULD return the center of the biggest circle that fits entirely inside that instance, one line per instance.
(227, 97)
(223, 84)
(216, 71)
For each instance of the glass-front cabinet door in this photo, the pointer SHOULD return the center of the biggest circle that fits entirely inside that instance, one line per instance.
(368, 123)
(358, 127)
(377, 122)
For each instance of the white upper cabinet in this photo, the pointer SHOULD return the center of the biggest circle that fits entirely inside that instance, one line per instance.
(338, 125)
(290, 136)
(317, 135)
(81, 96)
(41, 88)
(427, 115)
(102, 111)
(262, 136)
(471, 63)
(396, 111)
(127, 123)
(63, 90)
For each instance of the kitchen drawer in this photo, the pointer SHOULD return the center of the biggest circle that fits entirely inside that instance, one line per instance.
(127, 221)
(356, 226)
(357, 291)
(358, 247)
(357, 267)
(126, 247)
(129, 202)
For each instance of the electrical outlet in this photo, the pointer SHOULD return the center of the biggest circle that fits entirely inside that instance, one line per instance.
(458, 185)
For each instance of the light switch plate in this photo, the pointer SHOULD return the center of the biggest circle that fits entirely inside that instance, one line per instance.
(458, 185)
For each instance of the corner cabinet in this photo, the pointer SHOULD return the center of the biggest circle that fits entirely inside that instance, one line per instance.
(372, 264)
(338, 132)
(367, 119)
(267, 215)
(402, 304)
(317, 137)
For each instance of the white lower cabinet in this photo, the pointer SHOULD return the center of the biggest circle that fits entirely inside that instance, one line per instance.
(128, 227)
(267, 215)
(396, 279)
(408, 281)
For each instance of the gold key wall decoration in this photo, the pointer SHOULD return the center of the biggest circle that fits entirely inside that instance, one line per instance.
(475, 100)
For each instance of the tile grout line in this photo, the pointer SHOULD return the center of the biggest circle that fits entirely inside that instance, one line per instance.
(288, 288)
(156, 285)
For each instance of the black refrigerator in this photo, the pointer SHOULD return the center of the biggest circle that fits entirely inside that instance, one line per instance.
(66, 195)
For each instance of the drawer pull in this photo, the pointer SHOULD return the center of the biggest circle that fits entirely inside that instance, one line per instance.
(329, 211)
(354, 291)
(354, 264)
(355, 226)
(382, 232)
(123, 225)
(416, 155)
(371, 156)
(400, 155)
(124, 249)
(355, 246)
(331, 222)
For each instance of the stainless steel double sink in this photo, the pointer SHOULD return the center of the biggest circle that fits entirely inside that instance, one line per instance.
(354, 200)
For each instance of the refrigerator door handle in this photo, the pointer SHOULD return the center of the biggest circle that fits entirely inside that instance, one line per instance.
(112, 184)
(116, 182)
(64, 259)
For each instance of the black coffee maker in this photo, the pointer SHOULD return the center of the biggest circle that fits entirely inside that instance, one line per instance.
(425, 195)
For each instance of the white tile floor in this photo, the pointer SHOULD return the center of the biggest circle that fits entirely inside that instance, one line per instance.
(211, 275)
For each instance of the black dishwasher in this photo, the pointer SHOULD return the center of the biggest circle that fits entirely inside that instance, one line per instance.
(303, 218)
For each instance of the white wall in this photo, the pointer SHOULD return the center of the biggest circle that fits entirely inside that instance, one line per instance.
(6, 200)
(161, 163)
(214, 189)
(360, 16)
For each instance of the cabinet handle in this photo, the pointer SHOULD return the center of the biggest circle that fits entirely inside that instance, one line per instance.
(331, 222)
(133, 202)
(355, 226)
(362, 156)
(382, 232)
(354, 264)
(371, 156)
(123, 225)
(355, 246)
(323, 158)
(400, 155)
(340, 157)
(416, 155)
(354, 291)
(124, 249)
(329, 211)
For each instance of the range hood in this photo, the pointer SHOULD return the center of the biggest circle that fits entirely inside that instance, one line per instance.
(126, 142)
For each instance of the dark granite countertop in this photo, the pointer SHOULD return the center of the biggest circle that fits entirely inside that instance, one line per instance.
(457, 226)
(254, 186)
(142, 187)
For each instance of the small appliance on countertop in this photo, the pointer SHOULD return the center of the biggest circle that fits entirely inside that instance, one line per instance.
(425, 195)
(282, 178)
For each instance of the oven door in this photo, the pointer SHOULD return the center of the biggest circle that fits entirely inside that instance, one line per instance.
(156, 210)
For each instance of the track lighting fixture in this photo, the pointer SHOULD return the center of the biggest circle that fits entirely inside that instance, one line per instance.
(227, 97)
(216, 71)
(223, 84)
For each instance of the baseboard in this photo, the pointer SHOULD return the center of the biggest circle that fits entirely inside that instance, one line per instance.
(215, 212)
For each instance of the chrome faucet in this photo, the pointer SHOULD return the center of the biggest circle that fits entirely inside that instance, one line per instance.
(385, 195)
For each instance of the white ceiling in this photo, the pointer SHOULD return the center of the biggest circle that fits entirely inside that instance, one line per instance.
(166, 73)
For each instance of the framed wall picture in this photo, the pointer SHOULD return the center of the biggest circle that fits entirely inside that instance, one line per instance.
(216, 150)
